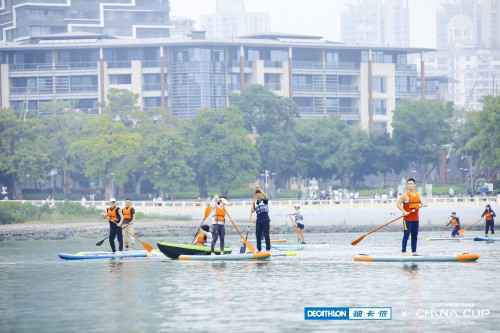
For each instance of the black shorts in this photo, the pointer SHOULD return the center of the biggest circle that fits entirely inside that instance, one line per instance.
(300, 226)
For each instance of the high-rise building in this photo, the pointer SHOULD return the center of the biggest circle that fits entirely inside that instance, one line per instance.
(454, 12)
(373, 22)
(232, 20)
(362, 23)
(181, 27)
(489, 24)
(124, 18)
(396, 21)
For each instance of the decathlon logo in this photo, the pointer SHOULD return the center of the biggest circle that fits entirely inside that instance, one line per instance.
(345, 313)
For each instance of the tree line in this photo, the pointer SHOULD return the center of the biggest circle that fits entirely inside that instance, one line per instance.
(124, 150)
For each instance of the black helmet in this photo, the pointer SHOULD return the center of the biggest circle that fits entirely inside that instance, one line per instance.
(205, 227)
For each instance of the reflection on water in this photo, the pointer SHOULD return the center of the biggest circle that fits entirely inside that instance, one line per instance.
(137, 295)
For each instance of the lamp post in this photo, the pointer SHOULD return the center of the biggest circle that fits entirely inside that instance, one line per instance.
(267, 174)
(112, 184)
(52, 174)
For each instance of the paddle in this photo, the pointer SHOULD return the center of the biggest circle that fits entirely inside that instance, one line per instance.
(246, 242)
(359, 239)
(243, 247)
(147, 246)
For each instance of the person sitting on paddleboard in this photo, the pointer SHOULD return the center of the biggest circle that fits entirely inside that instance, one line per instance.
(455, 223)
(298, 219)
(489, 217)
(112, 214)
(262, 224)
(128, 214)
(218, 224)
(202, 236)
(409, 203)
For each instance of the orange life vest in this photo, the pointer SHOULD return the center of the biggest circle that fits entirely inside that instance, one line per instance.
(200, 239)
(127, 213)
(208, 210)
(220, 215)
(111, 213)
(412, 206)
(488, 216)
(454, 222)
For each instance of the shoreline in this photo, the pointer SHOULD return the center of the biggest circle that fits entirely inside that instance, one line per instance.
(159, 228)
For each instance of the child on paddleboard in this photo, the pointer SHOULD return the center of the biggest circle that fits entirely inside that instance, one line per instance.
(454, 221)
(298, 219)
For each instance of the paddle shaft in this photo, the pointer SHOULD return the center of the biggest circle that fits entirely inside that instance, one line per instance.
(356, 241)
(247, 243)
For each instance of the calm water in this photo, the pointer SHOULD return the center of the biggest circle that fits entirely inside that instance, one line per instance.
(40, 293)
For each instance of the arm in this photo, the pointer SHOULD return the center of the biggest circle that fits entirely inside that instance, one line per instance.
(400, 202)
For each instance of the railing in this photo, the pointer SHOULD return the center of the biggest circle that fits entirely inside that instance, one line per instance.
(348, 88)
(479, 200)
(16, 91)
(300, 64)
(343, 65)
(151, 86)
(151, 63)
(273, 85)
(120, 64)
(318, 87)
(406, 67)
(273, 64)
(49, 66)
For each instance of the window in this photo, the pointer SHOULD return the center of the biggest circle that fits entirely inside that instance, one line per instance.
(152, 102)
(379, 84)
(379, 107)
(272, 81)
(120, 79)
(151, 82)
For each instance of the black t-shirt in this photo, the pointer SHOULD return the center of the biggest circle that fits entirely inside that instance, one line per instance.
(261, 207)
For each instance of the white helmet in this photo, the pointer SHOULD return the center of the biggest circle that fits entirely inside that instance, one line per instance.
(296, 206)
(112, 200)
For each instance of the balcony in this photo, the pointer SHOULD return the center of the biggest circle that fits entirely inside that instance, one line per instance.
(151, 87)
(273, 64)
(30, 67)
(151, 63)
(407, 68)
(22, 91)
(300, 64)
(120, 64)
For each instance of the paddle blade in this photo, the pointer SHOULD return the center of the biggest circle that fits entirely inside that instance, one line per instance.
(99, 243)
(357, 240)
(250, 246)
(148, 247)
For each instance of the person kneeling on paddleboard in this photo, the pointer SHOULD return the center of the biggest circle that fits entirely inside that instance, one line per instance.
(455, 223)
(128, 214)
(262, 224)
(298, 219)
(218, 228)
(489, 217)
(113, 216)
(201, 238)
(410, 203)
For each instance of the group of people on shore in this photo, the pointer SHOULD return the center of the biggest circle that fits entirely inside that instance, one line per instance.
(121, 221)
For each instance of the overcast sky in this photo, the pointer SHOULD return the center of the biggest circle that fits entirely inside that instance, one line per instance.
(319, 17)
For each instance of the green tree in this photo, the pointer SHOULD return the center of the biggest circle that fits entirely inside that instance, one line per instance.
(23, 152)
(224, 155)
(122, 105)
(481, 139)
(263, 111)
(104, 145)
(421, 129)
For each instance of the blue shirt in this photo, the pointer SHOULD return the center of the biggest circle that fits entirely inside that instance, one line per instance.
(262, 210)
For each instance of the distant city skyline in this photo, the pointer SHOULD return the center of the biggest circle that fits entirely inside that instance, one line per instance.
(318, 17)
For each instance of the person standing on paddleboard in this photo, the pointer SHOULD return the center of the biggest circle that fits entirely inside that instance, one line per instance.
(298, 220)
(409, 203)
(262, 224)
(489, 217)
(113, 216)
(455, 223)
(218, 224)
(128, 214)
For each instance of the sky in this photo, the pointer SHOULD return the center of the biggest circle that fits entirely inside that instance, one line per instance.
(316, 17)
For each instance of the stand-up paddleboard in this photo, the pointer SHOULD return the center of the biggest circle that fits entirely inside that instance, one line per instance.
(486, 239)
(287, 247)
(463, 257)
(94, 255)
(449, 238)
(228, 257)
(284, 254)
(173, 250)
